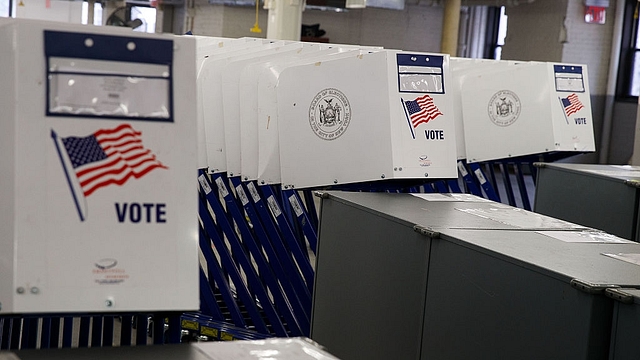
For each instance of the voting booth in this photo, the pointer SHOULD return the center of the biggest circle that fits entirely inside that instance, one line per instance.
(525, 108)
(374, 116)
(94, 132)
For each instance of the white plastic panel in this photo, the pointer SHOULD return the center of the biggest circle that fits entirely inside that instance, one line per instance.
(89, 228)
(354, 120)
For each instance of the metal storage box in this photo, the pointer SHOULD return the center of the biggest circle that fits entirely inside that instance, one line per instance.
(394, 279)
(97, 124)
(626, 324)
(599, 196)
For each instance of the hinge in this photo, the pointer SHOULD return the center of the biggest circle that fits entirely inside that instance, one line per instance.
(619, 294)
(539, 164)
(588, 287)
(633, 183)
(426, 231)
(321, 194)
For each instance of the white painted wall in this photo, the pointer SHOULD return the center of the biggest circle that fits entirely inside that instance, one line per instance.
(59, 10)
(414, 28)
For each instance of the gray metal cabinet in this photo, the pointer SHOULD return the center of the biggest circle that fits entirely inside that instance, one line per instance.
(604, 197)
(396, 278)
(625, 332)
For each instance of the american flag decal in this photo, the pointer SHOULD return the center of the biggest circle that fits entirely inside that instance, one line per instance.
(106, 157)
(571, 104)
(109, 156)
(421, 110)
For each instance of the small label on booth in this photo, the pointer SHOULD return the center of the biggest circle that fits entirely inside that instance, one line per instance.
(480, 176)
(204, 184)
(222, 187)
(296, 205)
(242, 195)
(462, 169)
(254, 192)
(273, 205)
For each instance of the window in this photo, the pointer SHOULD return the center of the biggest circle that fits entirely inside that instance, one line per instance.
(148, 17)
(5, 8)
(628, 82)
(496, 30)
(97, 13)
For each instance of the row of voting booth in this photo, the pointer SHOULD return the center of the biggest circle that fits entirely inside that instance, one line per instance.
(307, 115)
(122, 123)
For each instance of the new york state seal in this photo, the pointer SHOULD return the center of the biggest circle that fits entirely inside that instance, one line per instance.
(504, 108)
(329, 114)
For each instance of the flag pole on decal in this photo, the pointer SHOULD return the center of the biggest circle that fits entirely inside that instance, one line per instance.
(78, 196)
(404, 107)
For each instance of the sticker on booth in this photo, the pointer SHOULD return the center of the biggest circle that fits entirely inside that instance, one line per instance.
(106, 157)
(421, 110)
(571, 105)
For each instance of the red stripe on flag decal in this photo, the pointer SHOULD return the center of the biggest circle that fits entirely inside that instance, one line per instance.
(126, 158)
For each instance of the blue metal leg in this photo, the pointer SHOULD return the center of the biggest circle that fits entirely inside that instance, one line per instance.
(54, 332)
(454, 186)
(225, 257)
(507, 184)
(302, 218)
(216, 276)
(300, 308)
(492, 176)
(289, 236)
(5, 332)
(441, 186)
(96, 331)
(29, 333)
(16, 325)
(284, 255)
(83, 339)
(67, 332)
(158, 328)
(141, 329)
(484, 183)
(311, 208)
(526, 204)
(107, 331)
(249, 241)
(468, 180)
(125, 330)
(173, 333)
(45, 333)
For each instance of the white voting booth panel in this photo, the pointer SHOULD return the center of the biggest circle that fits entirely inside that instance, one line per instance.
(259, 112)
(207, 47)
(204, 47)
(98, 157)
(267, 117)
(381, 115)
(526, 108)
(210, 86)
(459, 68)
(235, 96)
